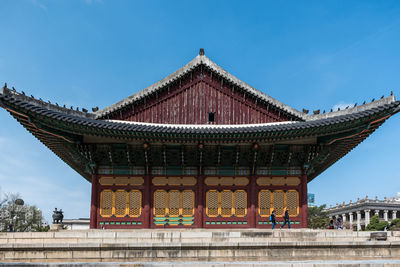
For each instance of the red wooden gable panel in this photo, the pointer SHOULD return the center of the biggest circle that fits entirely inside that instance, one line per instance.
(191, 99)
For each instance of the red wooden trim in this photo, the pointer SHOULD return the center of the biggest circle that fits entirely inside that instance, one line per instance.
(147, 205)
(200, 202)
(94, 203)
(303, 202)
(252, 211)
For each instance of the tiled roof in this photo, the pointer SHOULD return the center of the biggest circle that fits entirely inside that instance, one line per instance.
(87, 119)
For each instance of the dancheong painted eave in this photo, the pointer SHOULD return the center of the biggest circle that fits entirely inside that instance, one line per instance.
(57, 127)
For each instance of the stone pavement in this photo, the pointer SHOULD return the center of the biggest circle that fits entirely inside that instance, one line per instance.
(201, 247)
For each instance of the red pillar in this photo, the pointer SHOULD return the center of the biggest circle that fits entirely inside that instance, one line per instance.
(303, 202)
(252, 197)
(94, 202)
(200, 202)
(146, 202)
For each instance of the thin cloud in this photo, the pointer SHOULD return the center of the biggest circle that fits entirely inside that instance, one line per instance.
(38, 4)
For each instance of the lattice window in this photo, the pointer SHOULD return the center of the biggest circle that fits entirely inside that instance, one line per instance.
(174, 181)
(240, 203)
(160, 203)
(120, 203)
(174, 203)
(292, 181)
(188, 203)
(189, 181)
(135, 203)
(212, 203)
(121, 180)
(136, 181)
(211, 181)
(227, 181)
(292, 200)
(264, 203)
(106, 180)
(226, 203)
(278, 181)
(241, 181)
(106, 203)
(279, 202)
(160, 181)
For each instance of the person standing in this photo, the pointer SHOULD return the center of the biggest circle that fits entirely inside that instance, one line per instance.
(272, 219)
(287, 219)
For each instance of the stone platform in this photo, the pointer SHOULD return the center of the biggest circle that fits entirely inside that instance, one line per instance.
(178, 247)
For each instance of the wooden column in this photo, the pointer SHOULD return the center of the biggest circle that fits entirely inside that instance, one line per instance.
(200, 202)
(94, 202)
(303, 201)
(146, 202)
(253, 199)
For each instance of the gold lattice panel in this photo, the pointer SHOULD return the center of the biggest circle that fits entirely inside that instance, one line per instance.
(292, 181)
(160, 203)
(211, 181)
(226, 203)
(292, 202)
(241, 181)
(279, 202)
(173, 203)
(263, 181)
(212, 203)
(227, 181)
(120, 203)
(135, 203)
(187, 203)
(121, 180)
(106, 180)
(264, 203)
(278, 181)
(106, 203)
(136, 181)
(240, 203)
(189, 181)
(174, 181)
(160, 181)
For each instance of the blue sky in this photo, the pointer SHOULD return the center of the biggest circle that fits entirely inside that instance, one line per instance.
(307, 54)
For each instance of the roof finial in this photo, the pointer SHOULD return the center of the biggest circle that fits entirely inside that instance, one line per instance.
(201, 52)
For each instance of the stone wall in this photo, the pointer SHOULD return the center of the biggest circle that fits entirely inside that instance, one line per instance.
(195, 245)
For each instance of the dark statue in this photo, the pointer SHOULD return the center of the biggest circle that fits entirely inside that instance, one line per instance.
(58, 216)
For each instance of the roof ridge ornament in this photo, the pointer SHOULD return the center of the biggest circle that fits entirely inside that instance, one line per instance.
(201, 52)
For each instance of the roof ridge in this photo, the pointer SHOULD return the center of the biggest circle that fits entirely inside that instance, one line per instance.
(355, 109)
(40, 103)
(198, 60)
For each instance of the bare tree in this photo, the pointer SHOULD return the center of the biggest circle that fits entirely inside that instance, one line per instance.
(17, 216)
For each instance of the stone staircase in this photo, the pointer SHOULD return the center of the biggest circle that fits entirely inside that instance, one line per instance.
(196, 245)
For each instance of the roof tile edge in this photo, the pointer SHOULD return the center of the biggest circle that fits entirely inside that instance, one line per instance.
(387, 100)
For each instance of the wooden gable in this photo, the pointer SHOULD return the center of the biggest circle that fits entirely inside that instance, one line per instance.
(200, 93)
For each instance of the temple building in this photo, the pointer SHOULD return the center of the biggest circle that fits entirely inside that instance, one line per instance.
(198, 149)
(357, 215)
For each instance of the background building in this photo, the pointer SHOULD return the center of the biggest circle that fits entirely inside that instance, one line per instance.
(357, 215)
